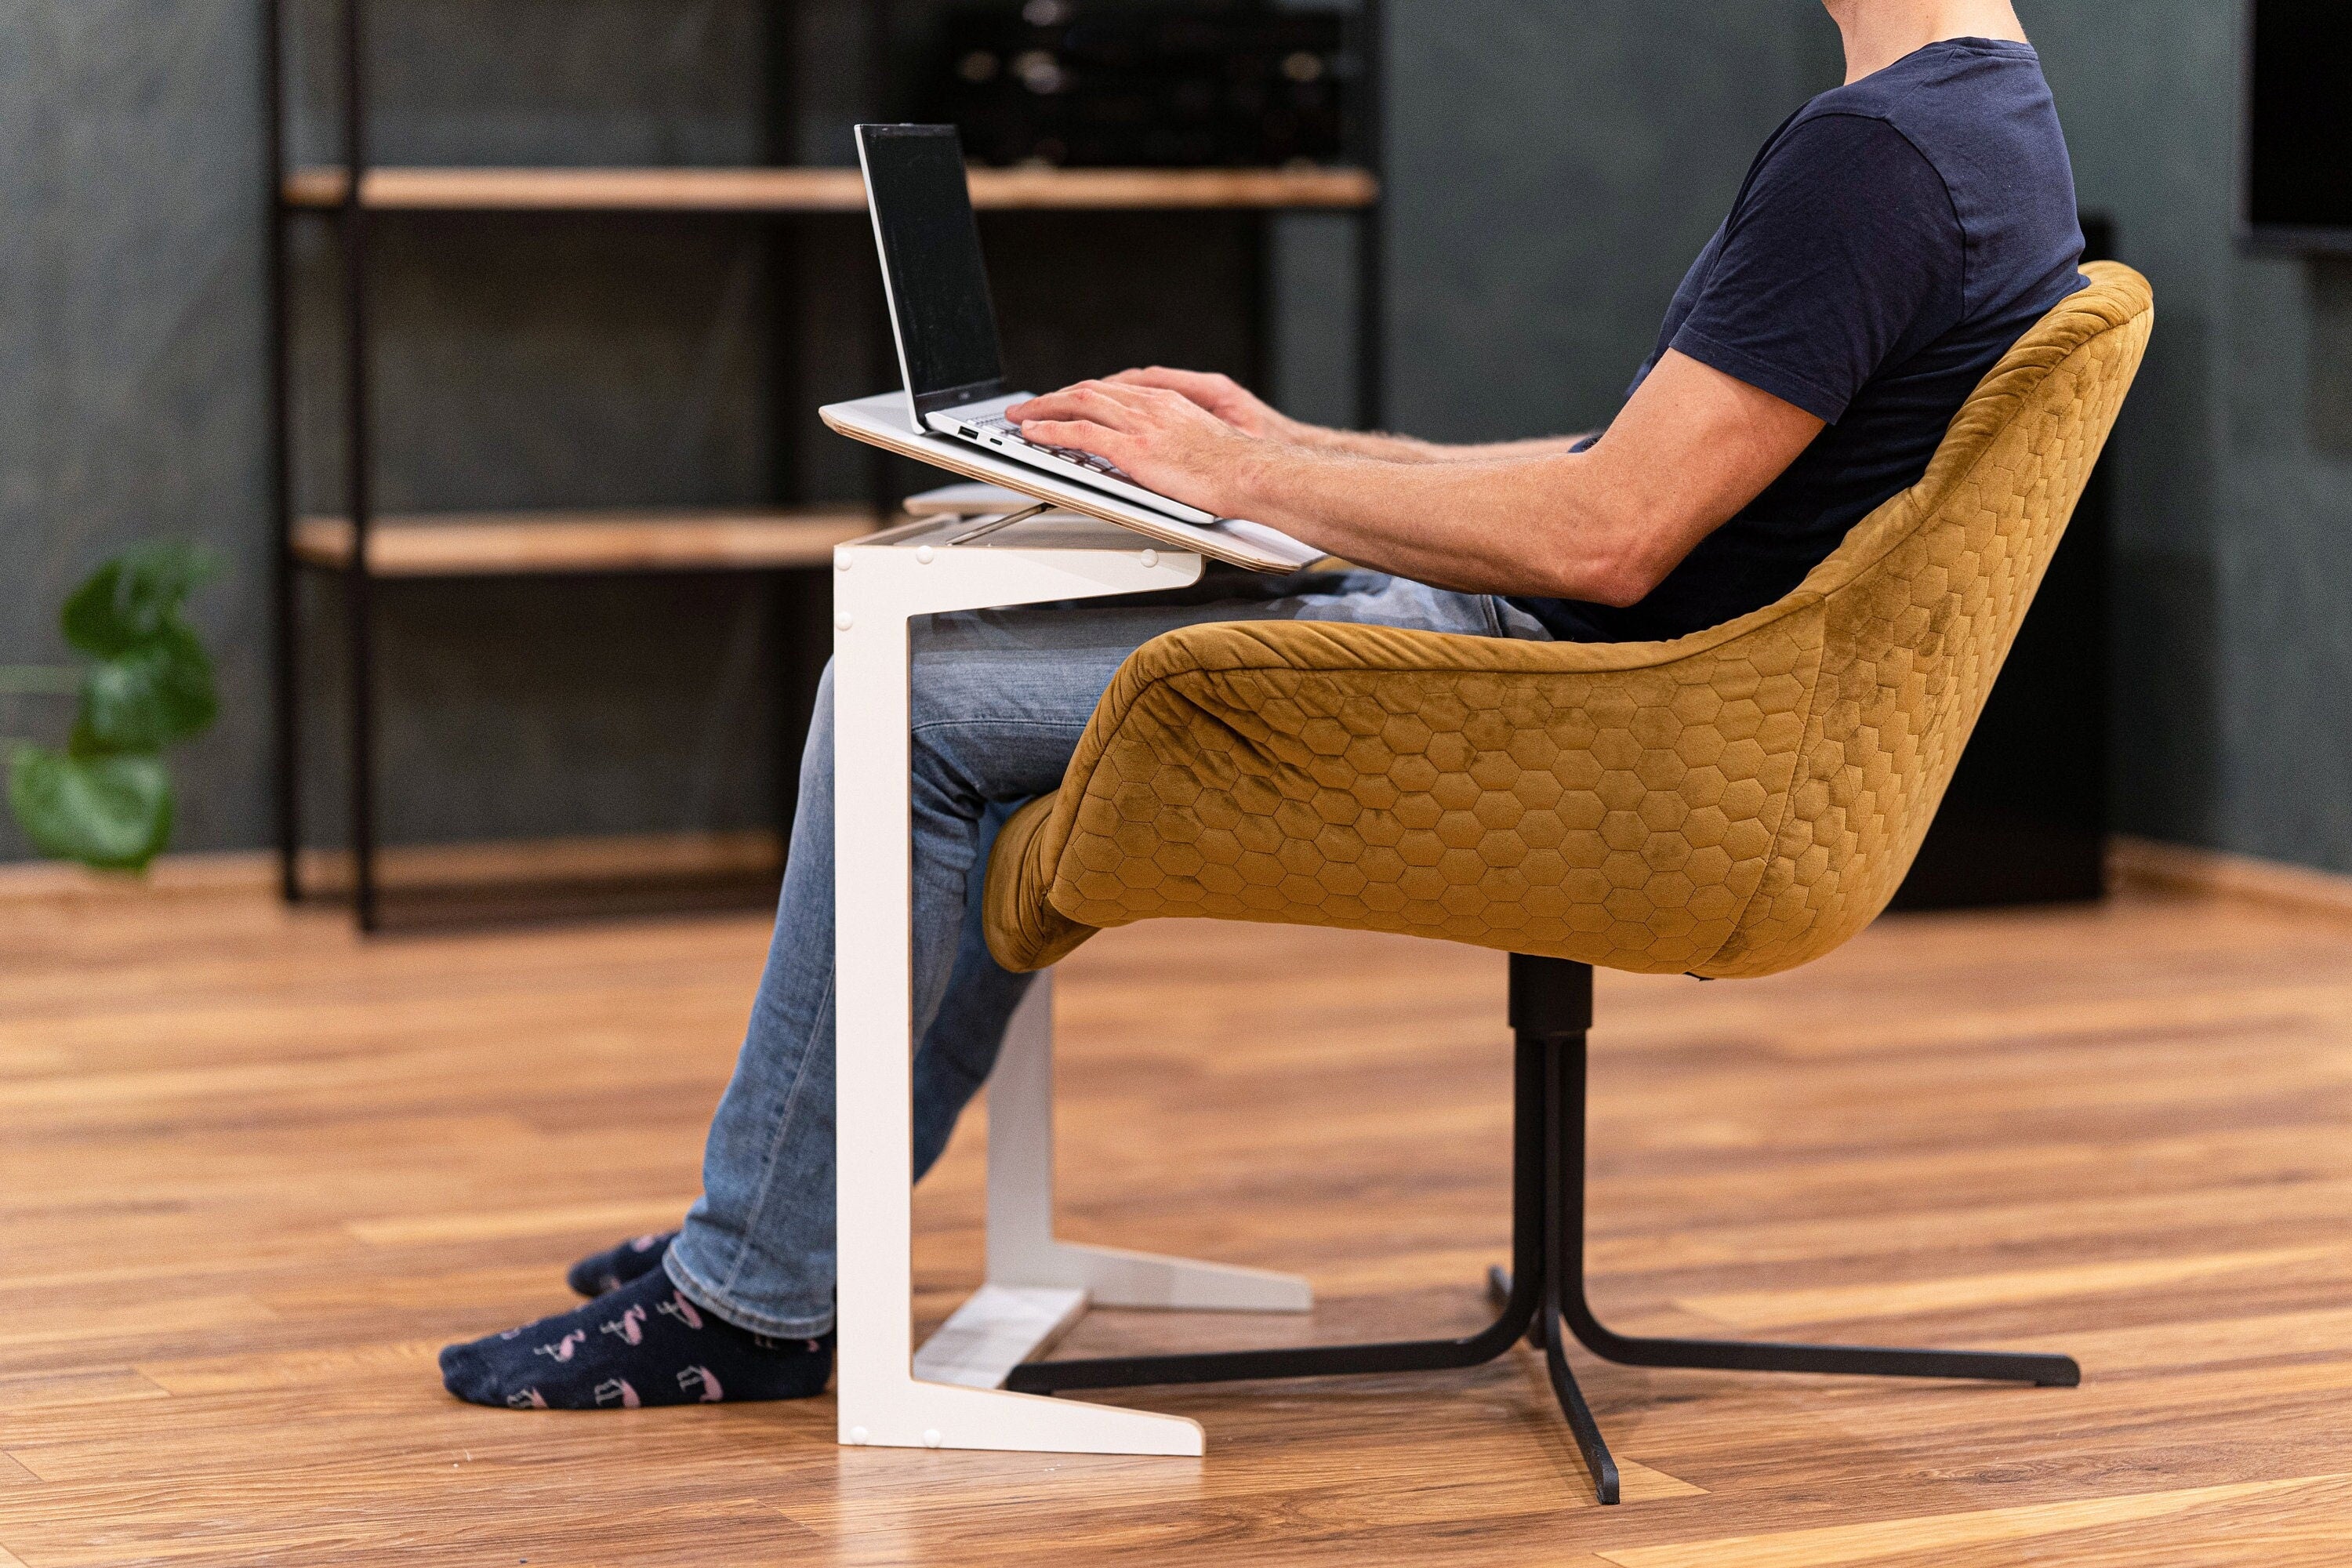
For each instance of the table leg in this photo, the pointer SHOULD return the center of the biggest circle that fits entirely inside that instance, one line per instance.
(877, 591)
(1022, 1251)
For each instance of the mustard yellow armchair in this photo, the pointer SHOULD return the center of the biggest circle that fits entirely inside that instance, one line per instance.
(1731, 803)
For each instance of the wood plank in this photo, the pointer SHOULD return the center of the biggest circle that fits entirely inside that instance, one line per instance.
(1170, 188)
(813, 190)
(601, 857)
(130, 1321)
(597, 859)
(256, 1170)
(2182, 868)
(1775, 1309)
(1836, 1545)
(506, 1223)
(454, 545)
(289, 1369)
(98, 1386)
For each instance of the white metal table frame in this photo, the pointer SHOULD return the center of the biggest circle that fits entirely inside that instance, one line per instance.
(949, 1393)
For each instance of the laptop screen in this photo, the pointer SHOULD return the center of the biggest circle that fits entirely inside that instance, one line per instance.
(931, 263)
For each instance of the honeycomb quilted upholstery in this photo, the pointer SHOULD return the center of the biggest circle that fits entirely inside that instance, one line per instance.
(1732, 803)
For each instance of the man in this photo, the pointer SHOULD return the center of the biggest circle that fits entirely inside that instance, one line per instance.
(1891, 242)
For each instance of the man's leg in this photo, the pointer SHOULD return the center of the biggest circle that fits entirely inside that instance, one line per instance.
(999, 701)
(955, 1058)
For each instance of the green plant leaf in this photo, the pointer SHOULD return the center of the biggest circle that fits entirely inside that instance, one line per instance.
(133, 598)
(113, 812)
(155, 695)
(106, 800)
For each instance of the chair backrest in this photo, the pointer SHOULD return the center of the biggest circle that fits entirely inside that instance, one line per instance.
(1733, 802)
(1920, 605)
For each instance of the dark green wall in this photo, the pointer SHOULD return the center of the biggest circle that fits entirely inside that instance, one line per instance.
(1555, 164)
(2234, 537)
(1555, 169)
(130, 333)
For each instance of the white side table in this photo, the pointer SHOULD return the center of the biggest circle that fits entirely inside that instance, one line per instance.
(948, 1394)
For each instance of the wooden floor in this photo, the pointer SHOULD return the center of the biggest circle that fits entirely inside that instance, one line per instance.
(253, 1171)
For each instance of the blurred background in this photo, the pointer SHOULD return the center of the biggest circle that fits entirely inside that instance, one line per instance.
(1549, 168)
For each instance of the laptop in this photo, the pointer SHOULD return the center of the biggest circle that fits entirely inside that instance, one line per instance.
(949, 358)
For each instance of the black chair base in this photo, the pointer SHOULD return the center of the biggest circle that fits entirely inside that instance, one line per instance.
(1543, 1293)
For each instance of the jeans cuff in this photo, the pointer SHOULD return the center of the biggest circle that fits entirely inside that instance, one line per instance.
(749, 1319)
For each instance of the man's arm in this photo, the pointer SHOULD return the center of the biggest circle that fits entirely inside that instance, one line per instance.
(1605, 525)
(1252, 416)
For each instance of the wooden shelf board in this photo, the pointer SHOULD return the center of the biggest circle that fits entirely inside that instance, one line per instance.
(458, 545)
(820, 190)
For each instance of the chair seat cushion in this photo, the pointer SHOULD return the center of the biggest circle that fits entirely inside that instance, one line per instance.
(1455, 788)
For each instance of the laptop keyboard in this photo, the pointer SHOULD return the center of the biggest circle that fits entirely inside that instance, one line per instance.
(997, 424)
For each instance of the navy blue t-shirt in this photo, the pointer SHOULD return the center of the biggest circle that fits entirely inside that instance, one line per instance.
(1891, 242)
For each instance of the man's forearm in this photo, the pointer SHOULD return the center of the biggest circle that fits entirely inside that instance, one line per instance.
(1510, 524)
(1388, 449)
(1692, 447)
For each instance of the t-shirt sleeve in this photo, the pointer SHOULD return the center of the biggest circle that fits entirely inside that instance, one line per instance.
(1845, 245)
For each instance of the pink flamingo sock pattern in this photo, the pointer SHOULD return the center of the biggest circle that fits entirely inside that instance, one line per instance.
(602, 1272)
(643, 1345)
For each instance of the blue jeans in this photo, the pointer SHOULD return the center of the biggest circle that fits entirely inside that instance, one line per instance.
(999, 699)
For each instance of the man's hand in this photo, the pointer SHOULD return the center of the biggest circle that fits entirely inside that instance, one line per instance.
(1165, 440)
(1222, 396)
(1250, 415)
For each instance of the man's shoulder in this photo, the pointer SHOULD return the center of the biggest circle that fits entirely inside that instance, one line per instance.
(1957, 86)
(1955, 70)
(1948, 105)
(1832, 144)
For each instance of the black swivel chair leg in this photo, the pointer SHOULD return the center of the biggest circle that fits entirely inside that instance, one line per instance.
(1542, 1296)
(1737, 1355)
(1732, 1355)
(1562, 1232)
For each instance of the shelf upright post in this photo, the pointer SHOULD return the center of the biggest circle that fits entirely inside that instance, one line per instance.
(360, 595)
(796, 598)
(1261, 226)
(278, 506)
(882, 355)
(1371, 221)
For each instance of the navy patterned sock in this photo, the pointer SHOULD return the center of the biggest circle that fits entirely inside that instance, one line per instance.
(642, 1344)
(600, 1272)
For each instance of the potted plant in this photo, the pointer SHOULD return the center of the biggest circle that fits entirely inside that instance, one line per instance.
(104, 797)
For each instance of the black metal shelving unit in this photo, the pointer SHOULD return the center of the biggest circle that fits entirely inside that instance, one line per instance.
(363, 550)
